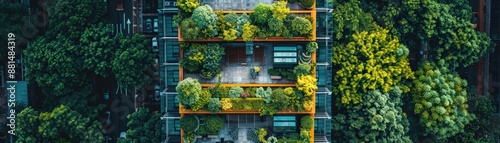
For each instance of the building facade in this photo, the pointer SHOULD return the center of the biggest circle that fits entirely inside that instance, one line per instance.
(170, 74)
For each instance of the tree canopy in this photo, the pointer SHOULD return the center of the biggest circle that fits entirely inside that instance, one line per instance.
(143, 126)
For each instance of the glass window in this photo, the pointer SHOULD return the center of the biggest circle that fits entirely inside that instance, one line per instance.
(284, 124)
(321, 75)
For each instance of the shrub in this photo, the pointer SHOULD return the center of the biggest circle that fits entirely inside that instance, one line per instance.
(307, 84)
(242, 20)
(303, 69)
(235, 92)
(188, 91)
(276, 26)
(245, 95)
(188, 5)
(272, 139)
(213, 123)
(204, 16)
(189, 29)
(259, 93)
(289, 91)
(251, 91)
(262, 12)
(311, 47)
(279, 10)
(214, 105)
(305, 136)
(205, 97)
(262, 133)
(232, 18)
(273, 72)
(307, 104)
(301, 26)
(306, 3)
(220, 92)
(280, 99)
(306, 122)
(229, 35)
(213, 55)
(267, 95)
(249, 31)
(189, 123)
(226, 104)
(440, 100)
(268, 109)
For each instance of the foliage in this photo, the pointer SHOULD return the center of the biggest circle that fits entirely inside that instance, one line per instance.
(232, 18)
(273, 72)
(262, 135)
(189, 91)
(379, 118)
(214, 105)
(213, 123)
(188, 5)
(220, 92)
(440, 100)
(272, 139)
(262, 12)
(213, 55)
(279, 10)
(242, 20)
(229, 35)
(143, 126)
(249, 31)
(303, 69)
(244, 95)
(131, 59)
(256, 68)
(276, 27)
(311, 47)
(235, 92)
(280, 99)
(370, 61)
(484, 128)
(206, 19)
(251, 91)
(205, 97)
(226, 103)
(305, 136)
(306, 3)
(301, 26)
(189, 123)
(308, 104)
(268, 109)
(306, 122)
(259, 93)
(349, 19)
(307, 84)
(446, 27)
(190, 29)
(189, 137)
(62, 123)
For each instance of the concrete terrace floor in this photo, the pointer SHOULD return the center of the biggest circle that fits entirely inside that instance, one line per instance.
(234, 73)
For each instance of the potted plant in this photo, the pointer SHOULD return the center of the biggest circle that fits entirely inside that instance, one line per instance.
(257, 69)
(189, 138)
(307, 4)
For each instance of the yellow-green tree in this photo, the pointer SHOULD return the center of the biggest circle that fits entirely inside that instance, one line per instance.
(371, 60)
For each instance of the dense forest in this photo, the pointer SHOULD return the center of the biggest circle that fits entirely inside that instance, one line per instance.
(381, 96)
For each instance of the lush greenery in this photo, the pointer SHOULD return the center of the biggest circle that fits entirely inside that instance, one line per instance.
(373, 42)
(440, 100)
(306, 122)
(206, 57)
(189, 123)
(189, 91)
(213, 123)
(273, 20)
(143, 126)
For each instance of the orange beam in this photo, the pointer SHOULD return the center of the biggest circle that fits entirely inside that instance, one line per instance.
(282, 112)
(252, 85)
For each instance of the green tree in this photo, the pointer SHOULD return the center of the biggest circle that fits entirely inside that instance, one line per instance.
(262, 12)
(440, 100)
(372, 60)
(143, 126)
(131, 59)
(379, 118)
(189, 29)
(27, 126)
(301, 26)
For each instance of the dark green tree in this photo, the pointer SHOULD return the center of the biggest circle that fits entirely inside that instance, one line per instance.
(27, 126)
(143, 126)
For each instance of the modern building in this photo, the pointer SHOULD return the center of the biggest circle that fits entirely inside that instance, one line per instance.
(239, 58)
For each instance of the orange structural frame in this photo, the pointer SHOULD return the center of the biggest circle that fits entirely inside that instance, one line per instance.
(277, 39)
